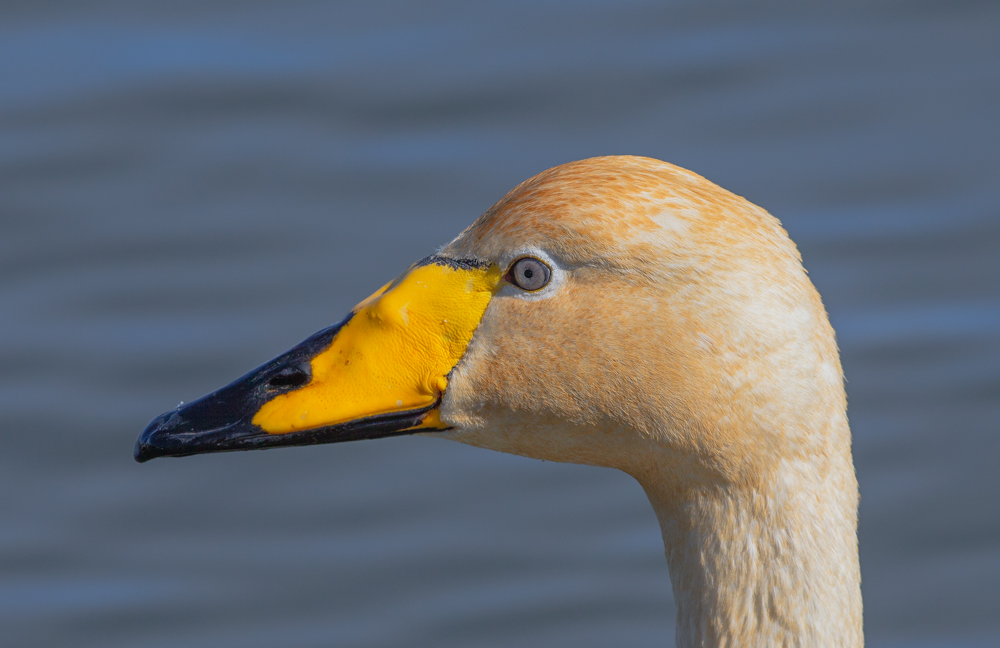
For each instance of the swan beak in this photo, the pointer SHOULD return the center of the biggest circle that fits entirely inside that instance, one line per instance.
(380, 372)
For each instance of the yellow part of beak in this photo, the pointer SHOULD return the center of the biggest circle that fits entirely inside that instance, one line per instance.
(395, 352)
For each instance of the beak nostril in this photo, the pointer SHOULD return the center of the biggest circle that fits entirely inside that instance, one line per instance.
(289, 377)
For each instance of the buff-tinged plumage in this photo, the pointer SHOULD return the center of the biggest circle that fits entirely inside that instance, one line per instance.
(681, 342)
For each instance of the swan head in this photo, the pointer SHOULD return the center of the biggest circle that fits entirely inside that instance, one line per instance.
(617, 311)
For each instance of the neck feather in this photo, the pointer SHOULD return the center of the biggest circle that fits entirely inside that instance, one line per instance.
(775, 564)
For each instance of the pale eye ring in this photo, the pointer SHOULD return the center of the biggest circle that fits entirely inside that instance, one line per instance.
(528, 273)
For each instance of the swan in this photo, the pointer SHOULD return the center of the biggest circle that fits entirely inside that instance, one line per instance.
(622, 312)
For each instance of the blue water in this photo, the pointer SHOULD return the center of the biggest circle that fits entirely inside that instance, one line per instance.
(187, 189)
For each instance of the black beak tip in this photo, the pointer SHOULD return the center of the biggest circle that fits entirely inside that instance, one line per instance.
(141, 453)
(147, 446)
(144, 452)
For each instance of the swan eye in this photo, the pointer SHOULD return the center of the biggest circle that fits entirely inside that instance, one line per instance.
(528, 274)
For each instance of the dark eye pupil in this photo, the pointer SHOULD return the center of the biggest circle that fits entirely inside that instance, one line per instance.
(529, 273)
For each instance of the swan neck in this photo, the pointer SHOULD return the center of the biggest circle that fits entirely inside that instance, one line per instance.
(772, 564)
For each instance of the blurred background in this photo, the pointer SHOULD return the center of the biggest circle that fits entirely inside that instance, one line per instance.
(189, 188)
